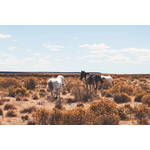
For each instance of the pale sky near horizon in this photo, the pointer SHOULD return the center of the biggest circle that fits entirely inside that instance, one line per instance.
(72, 48)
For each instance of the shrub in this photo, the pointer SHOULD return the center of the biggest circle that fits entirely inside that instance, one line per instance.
(82, 92)
(74, 117)
(24, 117)
(139, 96)
(35, 96)
(18, 98)
(122, 98)
(1, 112)
(127, 89)
(30, 83)
(11, 113)
(18, 91)
(103, 112)
(106, 93)
(142, 80)
(28, 110)
(123, 112)
(11, 91)
(9, 106)
(80, 104)
(146, 99)
(144, 86)
(3, 100)
(41, 116)
(6, 82)
(31, 123)
(106, 84)
(109, 95)
(141, 112)
(115, 89)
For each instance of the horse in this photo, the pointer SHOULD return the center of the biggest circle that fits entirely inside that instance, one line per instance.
(91, 78)
(55, 83)
(109, 78)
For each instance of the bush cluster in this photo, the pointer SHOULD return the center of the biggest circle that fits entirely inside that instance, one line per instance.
(30, 83)
(123, 112)
(122, 98)
(146, 99)
(18, 91)
(141, 113)
(104, 112)
(82, 93)
(139, 96)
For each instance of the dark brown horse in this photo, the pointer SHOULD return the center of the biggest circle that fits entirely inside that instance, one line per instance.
(91, 79)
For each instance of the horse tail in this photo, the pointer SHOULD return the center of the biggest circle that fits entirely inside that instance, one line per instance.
(50, 84)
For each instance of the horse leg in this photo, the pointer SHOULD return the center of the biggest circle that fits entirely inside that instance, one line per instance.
(59, 93)
(52, 93)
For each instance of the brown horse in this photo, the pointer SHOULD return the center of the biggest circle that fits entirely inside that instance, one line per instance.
(91, 79)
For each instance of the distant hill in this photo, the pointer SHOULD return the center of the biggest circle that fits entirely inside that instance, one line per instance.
(12, 72)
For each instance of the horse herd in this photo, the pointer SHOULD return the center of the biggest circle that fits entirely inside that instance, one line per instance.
(56, 83)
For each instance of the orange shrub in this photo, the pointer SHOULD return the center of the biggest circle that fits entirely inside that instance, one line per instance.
(123, 112)
(41, 116)
(141, 113)
(122, 98)
(127, 89)
(30, 83)
(103, 112)
(146, 99)
(6, 82)
(74, 117)
(139, 96)
(142, 80)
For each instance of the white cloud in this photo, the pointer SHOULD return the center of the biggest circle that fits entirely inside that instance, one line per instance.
(69, 47)
(75, 38)
(136, 51)
(75, 64)
(2, 36)
(144, 58)
(30, 59)
(95, 46)
(105, 51)
(93, 56)
(37, 54)
(28, 50)
(14, 40)
(68, 58)
(94, 61)
(11, 48)
(119, 57)
(58, 60)
(54, 46)
(47, 56)
(5, 55)
(54, 49)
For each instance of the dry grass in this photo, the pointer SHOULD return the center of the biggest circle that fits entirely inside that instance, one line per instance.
(22, 95)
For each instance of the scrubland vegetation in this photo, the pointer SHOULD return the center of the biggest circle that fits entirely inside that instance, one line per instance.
(24, 99)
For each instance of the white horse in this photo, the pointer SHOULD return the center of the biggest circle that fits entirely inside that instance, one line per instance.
(109, 78)
(55, 83)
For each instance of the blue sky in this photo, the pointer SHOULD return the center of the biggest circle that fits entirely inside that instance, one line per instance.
(72, 48)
